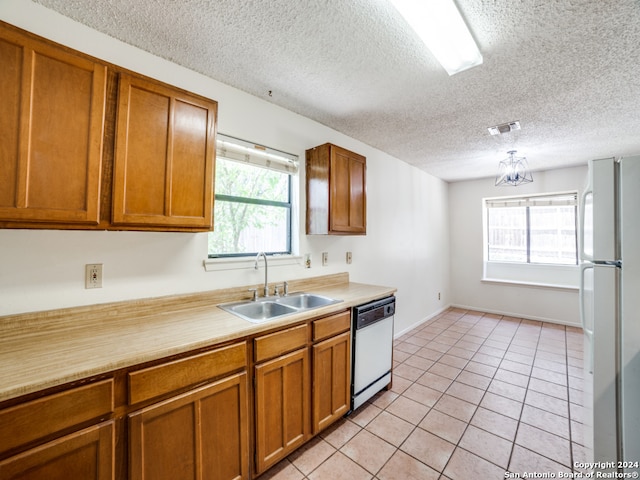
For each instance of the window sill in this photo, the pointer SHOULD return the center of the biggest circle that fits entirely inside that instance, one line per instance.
(557, 277)
(247, 263)
(549, 286)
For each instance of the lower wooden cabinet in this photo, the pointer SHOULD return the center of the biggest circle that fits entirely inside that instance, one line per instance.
(282, 406)
(201, 434)
(293, 398)
(188, 417)
(331, 380)
(38, 420)
(87, 454)
(63, 435)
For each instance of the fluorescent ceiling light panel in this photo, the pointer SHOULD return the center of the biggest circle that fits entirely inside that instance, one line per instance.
(441, 27)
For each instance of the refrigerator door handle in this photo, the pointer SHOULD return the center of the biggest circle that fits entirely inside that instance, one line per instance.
(583, 320)
(583, 202)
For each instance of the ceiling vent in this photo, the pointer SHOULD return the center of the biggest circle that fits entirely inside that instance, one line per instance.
(504, 128)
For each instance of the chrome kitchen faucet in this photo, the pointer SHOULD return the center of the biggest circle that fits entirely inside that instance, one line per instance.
(266, 285)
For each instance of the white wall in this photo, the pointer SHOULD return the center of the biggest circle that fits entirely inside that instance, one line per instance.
(467, 289)
(406, 245)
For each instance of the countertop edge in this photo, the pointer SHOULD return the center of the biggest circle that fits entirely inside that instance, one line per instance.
(23, 375)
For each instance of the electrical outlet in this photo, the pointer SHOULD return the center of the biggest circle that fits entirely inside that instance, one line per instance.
(325, 258)
(93, 275)
(438, 295)
(349, 257)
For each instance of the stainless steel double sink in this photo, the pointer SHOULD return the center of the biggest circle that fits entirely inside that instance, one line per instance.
(269, 308)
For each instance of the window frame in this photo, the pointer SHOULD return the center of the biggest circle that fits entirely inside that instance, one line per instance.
(529, 201)
(257, 201)
(242, 152)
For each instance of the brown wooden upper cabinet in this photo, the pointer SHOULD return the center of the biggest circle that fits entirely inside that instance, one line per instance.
(61, 166)
(164, 156)
(336, 191)
(51, 132)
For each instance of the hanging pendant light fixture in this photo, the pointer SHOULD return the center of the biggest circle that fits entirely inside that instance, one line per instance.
(513, 171)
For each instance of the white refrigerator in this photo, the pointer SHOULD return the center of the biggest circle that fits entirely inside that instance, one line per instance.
(610, 311)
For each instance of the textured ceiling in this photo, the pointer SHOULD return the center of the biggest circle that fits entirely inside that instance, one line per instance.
(568, 70)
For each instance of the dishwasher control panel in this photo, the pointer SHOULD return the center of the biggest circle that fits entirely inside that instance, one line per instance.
(372, 312)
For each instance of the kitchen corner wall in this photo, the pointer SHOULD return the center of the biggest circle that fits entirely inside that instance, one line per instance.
(406, 245)
(466, 231)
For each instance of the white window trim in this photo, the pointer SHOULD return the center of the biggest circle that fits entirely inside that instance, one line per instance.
(248, 262)
(538, 275)
(237, 149)
(565, 277)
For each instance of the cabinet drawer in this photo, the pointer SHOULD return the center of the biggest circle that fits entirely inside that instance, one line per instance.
(87, 455)
(279, 343)
(329, 326)
(161, 379)
(45, 416)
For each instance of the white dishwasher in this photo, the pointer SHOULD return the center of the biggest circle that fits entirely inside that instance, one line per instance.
(372, 331)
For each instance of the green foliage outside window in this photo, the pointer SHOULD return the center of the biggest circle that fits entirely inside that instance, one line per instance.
(252, 210)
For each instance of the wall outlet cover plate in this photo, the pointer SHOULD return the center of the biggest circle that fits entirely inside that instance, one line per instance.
(93, 275)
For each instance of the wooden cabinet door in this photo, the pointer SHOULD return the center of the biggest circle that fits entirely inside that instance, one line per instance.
(331, 380)
(51, 131)
(348, 199)
(202, 434)
(87, 454)
(164, 157)
(336, 191)
(282, 407)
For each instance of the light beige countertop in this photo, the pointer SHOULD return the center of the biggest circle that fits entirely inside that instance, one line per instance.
(45, 349)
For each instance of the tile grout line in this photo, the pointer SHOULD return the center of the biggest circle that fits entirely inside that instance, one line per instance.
(468, 423)
(519, 420)
(457, 445)
(444, 325)
(416, 425)
(515, 436)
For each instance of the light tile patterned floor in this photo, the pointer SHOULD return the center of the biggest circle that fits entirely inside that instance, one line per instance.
(474, 396)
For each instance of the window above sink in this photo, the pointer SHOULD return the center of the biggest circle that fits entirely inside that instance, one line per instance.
(253, 200)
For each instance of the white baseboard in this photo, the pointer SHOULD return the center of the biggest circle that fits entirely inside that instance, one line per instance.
(420, 322)
(517, 315)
